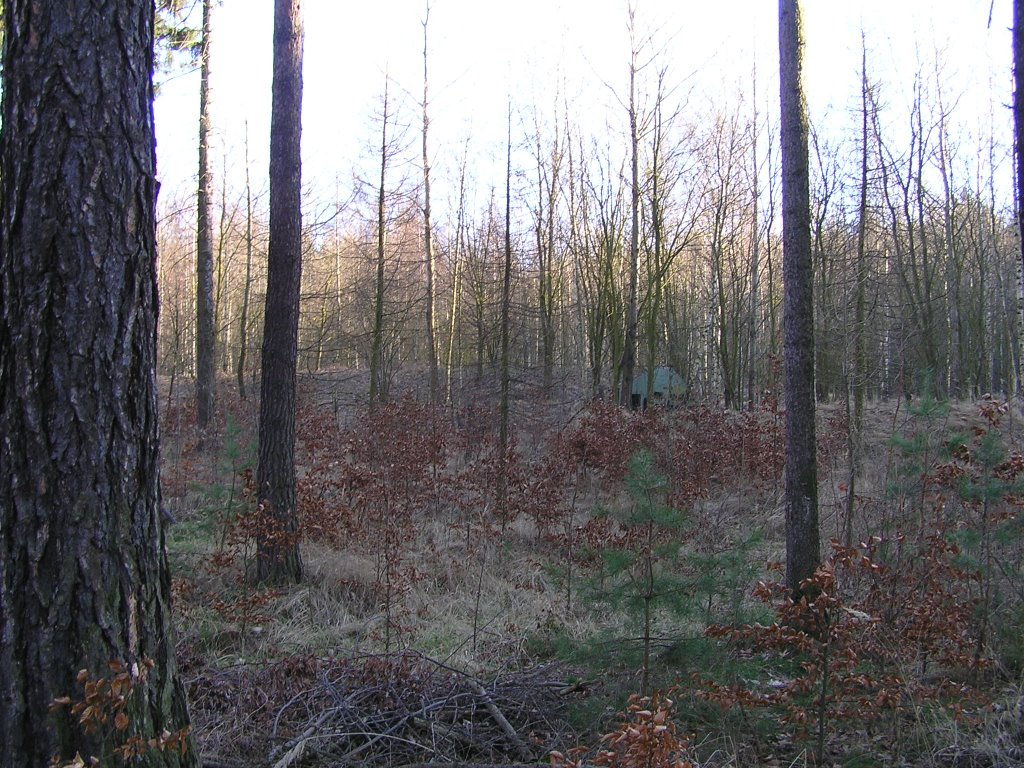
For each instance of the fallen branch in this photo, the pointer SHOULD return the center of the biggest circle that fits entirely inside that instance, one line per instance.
(407, 709)
(502, 722)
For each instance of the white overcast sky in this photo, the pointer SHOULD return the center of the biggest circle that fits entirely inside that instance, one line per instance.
(483, 51)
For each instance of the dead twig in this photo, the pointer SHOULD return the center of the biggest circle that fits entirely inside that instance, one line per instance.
(408, 709)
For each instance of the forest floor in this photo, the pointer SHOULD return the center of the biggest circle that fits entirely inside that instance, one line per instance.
(608, 596)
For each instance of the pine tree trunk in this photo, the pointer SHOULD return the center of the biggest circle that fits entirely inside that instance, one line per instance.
(1018, 134)
(206, 341)
(83, 572)
(278, 559)
(801, 481)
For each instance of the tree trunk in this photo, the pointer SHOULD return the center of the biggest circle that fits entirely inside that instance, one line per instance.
(206, 342)
(952, 265)
(859, 372)
(549, 282)
(243, 322)
(933, 370)
(506, 306)
(378, 390)
(627, 365)
(456, 281)
(801, 481)
(278, 559)
(1018, 133)
(755, 263)
(770, 283)
(655, 274)
(83, 570)
(222, 273)
(428, 247)
(725, 351)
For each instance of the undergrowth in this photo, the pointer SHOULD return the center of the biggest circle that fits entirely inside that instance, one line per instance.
(630, 550)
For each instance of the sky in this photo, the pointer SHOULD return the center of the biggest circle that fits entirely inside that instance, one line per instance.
(482, 53)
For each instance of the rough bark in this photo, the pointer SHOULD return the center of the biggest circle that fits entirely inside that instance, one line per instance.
(83, 572)
(801, 482)
(1018, 132)
(278, 559)
(206, 341)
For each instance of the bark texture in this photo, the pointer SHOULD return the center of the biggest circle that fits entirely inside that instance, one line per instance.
(801, 481)
(83, 572)
(1018, 135)
(206, 335)
(278, 559)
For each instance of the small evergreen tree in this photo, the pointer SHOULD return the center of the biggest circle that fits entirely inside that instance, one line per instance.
(641, 566)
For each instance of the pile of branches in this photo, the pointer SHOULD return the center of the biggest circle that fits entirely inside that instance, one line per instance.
(406, 709)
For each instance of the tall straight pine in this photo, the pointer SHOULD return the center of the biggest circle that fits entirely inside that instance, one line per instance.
(206, 335)
(801, 475)
(1018, 135)
(277, 557)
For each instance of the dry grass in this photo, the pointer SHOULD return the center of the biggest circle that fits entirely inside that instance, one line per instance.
(479, 604)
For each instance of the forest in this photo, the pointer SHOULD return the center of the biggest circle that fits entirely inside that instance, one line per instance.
(913, 243)
(688, 438)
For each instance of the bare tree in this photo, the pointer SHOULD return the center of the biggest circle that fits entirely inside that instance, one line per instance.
(671, 201)
(755, 255)
(859, 365)
(724, 152)
(597, 225)
(378, 379)
(243, 322)
(627, 365)
(456, 270)
(549, 266)
(506, 309)
(428, 234)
